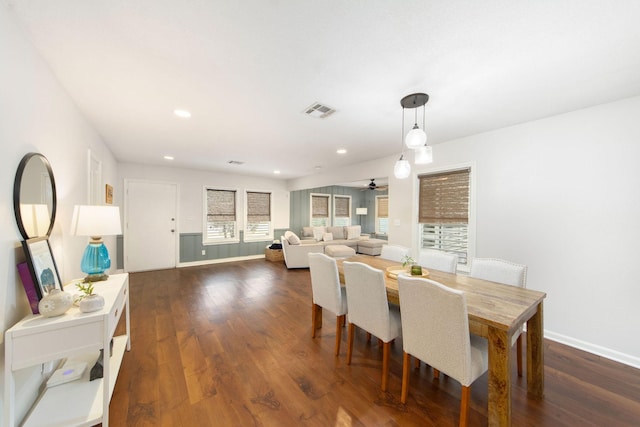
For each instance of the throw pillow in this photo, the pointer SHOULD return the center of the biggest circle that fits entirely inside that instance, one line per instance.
(318, 232)
(327, 237)
(292, 238)
(307, 231)
(353, 232)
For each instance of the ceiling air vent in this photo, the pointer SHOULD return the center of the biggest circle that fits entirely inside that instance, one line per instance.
(319, 111)
(235, 162)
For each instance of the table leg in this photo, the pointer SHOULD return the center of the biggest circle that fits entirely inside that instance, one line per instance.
(535, 354)
(499, 378)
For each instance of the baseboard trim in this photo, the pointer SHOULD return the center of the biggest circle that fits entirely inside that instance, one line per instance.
(219, 260)
(617, 356)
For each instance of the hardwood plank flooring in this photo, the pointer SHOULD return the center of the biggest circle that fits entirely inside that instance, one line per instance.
(230, 345)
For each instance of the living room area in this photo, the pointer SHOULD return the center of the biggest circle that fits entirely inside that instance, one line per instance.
(221, 336)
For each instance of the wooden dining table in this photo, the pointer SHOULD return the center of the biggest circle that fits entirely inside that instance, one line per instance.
(496, 312)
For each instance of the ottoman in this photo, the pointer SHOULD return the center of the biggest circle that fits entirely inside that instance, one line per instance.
(339, 251)
(371, 246)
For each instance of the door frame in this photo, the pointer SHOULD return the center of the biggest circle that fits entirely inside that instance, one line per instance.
(176, 242)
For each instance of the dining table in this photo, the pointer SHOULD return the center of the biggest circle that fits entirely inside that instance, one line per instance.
(496, 312)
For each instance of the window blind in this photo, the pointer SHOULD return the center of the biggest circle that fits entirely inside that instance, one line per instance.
(383, 207)
(342, 207)
(319, 206)
(221, 205)
(444, 197)
(258, 206)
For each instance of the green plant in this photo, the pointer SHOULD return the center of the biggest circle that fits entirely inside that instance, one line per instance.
(407, 260)
(86, 288)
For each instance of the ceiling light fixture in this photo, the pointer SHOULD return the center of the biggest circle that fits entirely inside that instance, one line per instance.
(341, 151)
(277, 172)
(168, 157)
(183, 114)
(416, 138)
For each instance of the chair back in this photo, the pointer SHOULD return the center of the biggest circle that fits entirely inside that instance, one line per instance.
(435, 327)
(366, 291)
(394, 252)
(500, 271)
(437, 260)
(325, 283)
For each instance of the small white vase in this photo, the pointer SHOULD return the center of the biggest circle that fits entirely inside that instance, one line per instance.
(55, 303)
(91, 303)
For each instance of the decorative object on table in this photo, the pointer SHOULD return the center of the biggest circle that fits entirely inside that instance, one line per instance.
(416, 138)
(97, 369)
(95, 222)
(42, 266)
(416, 270)
(88, 301)
(29, 287)
(66, 374)
(407, 261)
(55, 303)
(395, 271)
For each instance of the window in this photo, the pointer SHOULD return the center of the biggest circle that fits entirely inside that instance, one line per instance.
(341, 210)
(319, 210)
(382, 214)
(258, 221)
(444, 212)
(220, 221)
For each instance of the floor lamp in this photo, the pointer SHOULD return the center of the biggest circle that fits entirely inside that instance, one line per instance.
(360, 212)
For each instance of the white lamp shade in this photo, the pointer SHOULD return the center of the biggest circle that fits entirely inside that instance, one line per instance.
(95, 221)
(35, 219)
(424, 155)
(402, 169)
(361, 211)
(416, 138)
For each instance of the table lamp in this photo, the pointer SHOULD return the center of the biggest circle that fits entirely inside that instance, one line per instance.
(95, 222)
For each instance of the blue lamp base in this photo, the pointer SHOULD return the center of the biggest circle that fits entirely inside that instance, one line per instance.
(95, 261)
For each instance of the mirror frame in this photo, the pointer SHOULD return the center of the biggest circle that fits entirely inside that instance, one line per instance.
(17, 184)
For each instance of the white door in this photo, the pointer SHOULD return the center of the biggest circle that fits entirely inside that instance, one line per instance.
(151, 233)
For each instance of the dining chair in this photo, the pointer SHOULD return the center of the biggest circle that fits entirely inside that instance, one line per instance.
(394, 252)
(369, 310)
(437, 260)
(327, 293)
(508, 273)
(435, 329)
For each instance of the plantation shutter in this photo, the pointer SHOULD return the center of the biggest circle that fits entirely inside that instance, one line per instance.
(444, 198)
(258, 207)
(221, 205)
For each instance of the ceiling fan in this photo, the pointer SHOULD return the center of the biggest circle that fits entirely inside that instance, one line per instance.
(373, 186)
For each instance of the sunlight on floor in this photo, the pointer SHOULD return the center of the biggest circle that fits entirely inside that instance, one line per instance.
(342, 418)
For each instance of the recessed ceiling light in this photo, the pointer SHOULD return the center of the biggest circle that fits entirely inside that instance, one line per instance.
(276, 172)
(341, 151)
(317, 167)
(168, 157)
(184, 114)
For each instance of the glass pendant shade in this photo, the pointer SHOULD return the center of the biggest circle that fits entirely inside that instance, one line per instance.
(416, 138)
(402, 169)
(424, 155)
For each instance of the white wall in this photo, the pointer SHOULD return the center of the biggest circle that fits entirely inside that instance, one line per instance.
(560, 195)
(191, 184)
(37, 115)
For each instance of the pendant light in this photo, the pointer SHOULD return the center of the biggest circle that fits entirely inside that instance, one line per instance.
(416, 138)
(402, 168)
(424, 155)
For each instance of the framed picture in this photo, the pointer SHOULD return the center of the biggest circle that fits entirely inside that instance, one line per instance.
(108, 194)
(42, 266)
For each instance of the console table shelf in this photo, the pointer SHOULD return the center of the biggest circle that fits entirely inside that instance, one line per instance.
(78, 337)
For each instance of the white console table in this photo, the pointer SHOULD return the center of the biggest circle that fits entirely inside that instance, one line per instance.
(75, 336)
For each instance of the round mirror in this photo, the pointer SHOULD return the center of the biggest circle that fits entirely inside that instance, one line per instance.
(34, 196)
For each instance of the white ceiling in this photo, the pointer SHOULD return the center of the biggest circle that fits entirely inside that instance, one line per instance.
(248, 69)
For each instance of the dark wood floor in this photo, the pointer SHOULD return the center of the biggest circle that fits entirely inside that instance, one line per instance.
(230, 345)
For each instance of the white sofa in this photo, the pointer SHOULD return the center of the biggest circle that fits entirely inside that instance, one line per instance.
(295, 249)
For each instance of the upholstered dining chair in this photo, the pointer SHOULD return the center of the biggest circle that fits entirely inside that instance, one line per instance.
(327, 293)
(437, 260)
(508, 273)
(435, 329)
(393, 252)
(369, 310)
